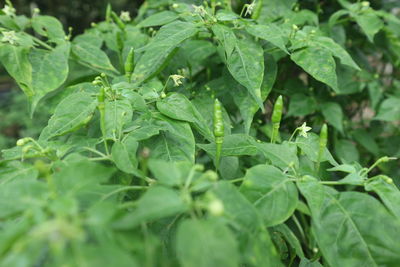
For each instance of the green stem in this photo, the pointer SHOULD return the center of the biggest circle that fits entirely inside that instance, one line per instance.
(236, 180)
(218, 151)
(275, 132)
(122, 189)
(293, 134)
(40, 42)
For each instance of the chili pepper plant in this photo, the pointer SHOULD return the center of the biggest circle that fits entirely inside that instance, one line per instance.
(215, 133)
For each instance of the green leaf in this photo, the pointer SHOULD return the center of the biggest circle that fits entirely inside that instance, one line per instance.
(117, 114)
(281, 155)
(49, 27)
(336, 50)
(178, 107)
(388, 192)
(177, 171)
(160, 48)
(157, 203)
(37, 72)
(19, 195)
(301, 105)
(93, 57)
(309, 146)
(124, 155)
(271, 33)
(366, 139)
(242, 98)
(197, 238)
(246, 65)
(49, 71)
(73, 112)
(271, 192)
(389, 110)
(347, 151)
(174, 143)
(370, 23)
(16, 170)
(290, 237)
(226, 37)
(15, 59)
(158, 19)
(319, 63)
(233, 145)
(80, 176)
(346, 232)
(333, 113)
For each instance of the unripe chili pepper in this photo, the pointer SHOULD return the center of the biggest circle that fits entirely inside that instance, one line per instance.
(276, 118)
(218, 130)
(118, 21)
(108, 13)
(101, 106)
(120, 41)
(130, 64)
(257, 10)
(323, 141)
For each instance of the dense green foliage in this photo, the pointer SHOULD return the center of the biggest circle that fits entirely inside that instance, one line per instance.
(221, 134)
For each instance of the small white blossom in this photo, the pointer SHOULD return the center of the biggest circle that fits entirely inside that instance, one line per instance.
(9, 37)
(8, 10)
(304, 129)
(177, 79)
(250, 8)
(199, 10)
(125, 16)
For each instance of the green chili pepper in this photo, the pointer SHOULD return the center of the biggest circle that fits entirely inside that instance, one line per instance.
(218, 131)
(130, 64)
(102, 109)
(120, 41)
(323, 140)
(108, 12)
(276, 118)
(257, 10)
(117, 20)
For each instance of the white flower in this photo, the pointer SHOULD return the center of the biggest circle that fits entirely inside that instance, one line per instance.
(304, 129)
(250, 8)
(177, 79)
(199, 10)
(9, 37)
(8, 10)
(125, 16)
